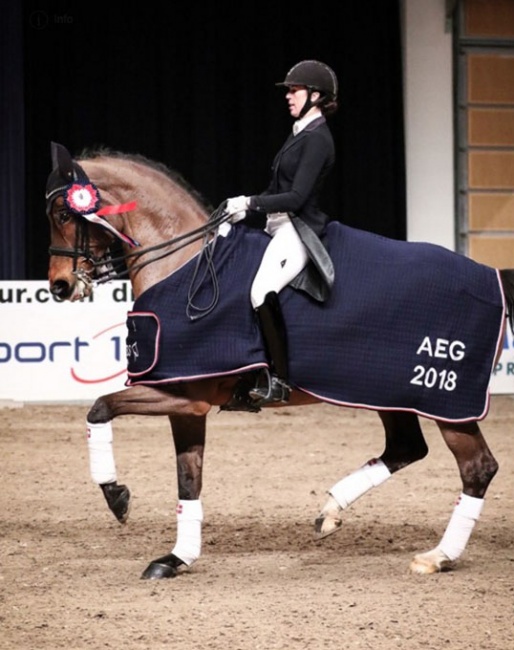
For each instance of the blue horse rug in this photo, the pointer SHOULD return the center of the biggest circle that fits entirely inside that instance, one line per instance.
(408, 326)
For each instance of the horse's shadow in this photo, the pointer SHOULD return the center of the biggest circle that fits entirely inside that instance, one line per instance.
(290, 536)
(223, 534)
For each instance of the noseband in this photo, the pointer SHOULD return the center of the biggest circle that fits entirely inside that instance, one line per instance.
(81, 248)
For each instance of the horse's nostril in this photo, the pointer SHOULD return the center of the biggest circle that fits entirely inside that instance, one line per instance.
(60, 289)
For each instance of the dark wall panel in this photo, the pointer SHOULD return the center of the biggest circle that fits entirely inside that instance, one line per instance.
(193, 85)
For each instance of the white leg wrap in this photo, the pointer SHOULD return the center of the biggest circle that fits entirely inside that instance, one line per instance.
(101, 459)
(189, 531)
(353, 486)
(464, 517)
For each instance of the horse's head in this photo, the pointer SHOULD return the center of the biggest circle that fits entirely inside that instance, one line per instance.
(80, 238)
(108, 198)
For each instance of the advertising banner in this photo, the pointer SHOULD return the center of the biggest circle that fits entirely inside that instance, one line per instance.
(61, 351)
(53, 351)
(502, 381)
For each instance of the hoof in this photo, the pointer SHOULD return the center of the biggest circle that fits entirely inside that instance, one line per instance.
(433, 561)
(329, 520)
(325, 526)
(163, 567)
(118, 500)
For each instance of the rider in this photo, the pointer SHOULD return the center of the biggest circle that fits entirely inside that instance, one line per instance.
(294, 220)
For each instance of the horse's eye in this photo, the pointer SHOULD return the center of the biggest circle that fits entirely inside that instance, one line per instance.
(63, 217)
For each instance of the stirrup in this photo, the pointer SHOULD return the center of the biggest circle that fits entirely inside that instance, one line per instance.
(275, 390)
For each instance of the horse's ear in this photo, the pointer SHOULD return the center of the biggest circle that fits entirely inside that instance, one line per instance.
(62, 160)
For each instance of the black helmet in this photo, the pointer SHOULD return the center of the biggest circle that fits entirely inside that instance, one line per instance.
(313, 74)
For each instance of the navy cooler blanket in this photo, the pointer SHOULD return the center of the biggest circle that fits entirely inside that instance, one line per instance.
(408, 326)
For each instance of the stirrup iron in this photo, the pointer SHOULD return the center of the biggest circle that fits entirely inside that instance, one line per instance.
(274, 390)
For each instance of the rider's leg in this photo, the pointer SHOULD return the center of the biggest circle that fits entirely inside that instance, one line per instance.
(283, 259)
(273, 330)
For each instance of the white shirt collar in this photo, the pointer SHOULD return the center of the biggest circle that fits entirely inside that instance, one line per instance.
(299, 125)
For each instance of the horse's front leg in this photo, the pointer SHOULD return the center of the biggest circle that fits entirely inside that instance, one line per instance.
(405, 444)
(477, 467)
(189, 439)
(137, 400)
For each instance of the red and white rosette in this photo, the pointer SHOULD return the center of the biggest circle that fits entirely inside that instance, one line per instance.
(82, 199)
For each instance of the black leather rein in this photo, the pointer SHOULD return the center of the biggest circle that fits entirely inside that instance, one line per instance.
(82, 248)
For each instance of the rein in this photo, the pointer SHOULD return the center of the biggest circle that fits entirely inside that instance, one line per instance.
(108, 268)
(82, 198)
(82, 248)
(216, 218)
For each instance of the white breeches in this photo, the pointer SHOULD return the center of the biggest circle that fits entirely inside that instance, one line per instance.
(283, 259)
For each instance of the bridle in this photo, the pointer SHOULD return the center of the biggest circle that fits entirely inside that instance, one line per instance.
(81, 197)
(82, 249)
(107, 266)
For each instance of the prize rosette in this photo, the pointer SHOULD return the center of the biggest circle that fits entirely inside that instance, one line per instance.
(82, 199)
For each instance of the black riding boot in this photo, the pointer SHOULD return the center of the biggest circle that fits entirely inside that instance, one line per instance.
(273, 330)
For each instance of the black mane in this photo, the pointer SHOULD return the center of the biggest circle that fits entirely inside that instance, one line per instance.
(91, 154)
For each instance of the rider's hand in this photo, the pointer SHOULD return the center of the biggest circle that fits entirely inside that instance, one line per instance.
(236, 208)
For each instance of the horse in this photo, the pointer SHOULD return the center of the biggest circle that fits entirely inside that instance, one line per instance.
(122, 215)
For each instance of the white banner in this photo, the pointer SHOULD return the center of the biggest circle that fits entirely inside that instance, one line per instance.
(62, 351)
(54, 351)
(502, 381)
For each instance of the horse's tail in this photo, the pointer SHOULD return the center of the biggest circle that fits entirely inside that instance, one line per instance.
(507, 280)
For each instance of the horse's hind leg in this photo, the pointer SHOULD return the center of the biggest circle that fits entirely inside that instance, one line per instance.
(477, 467)
(404, 445)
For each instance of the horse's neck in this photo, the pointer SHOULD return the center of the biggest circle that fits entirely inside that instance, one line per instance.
(164, 211)
(155, 223)
(172, 219)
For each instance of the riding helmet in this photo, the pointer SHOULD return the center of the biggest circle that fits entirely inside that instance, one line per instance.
(313, 74)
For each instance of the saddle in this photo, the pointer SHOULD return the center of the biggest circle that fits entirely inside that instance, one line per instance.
(317, 278)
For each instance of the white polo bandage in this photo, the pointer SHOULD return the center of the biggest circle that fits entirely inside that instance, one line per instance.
(464, 517)
(353, 486)
(189, 531)
(101, 458)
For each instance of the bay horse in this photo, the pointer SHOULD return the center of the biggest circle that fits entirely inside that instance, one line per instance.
(105, 200)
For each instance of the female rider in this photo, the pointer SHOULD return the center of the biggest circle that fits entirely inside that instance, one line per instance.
(294, 221)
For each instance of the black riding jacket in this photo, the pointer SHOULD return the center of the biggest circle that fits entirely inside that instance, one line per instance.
(298, 172)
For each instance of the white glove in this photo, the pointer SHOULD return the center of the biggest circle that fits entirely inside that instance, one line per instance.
(237, 207)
